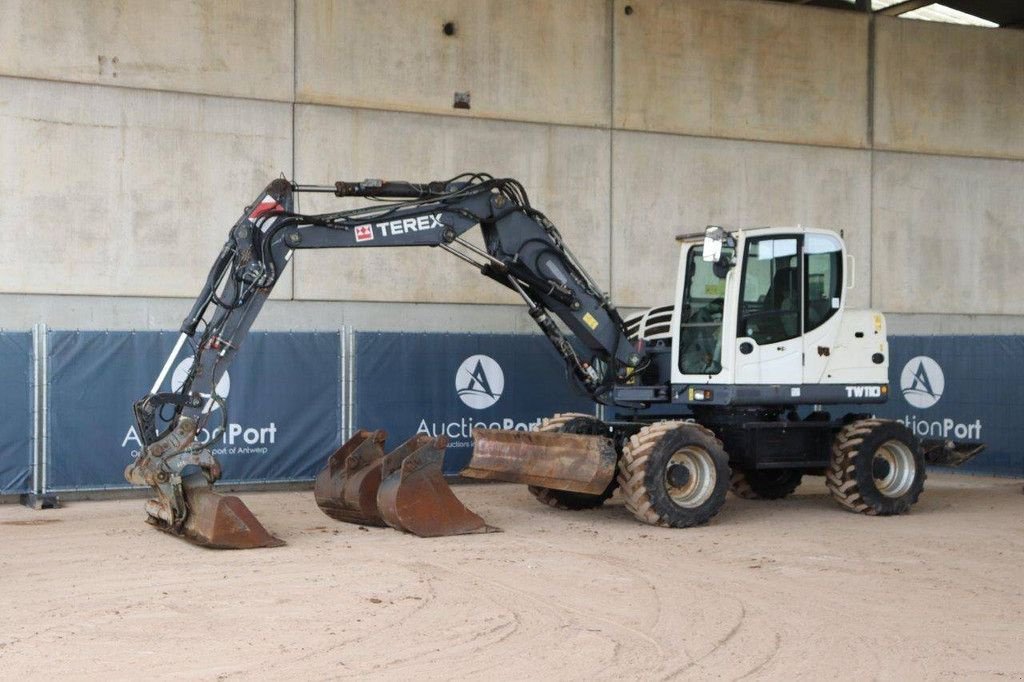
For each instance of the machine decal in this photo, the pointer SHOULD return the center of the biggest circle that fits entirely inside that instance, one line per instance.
(364, 233)
(268, 205)
(404, 226)
(863, 391)
(590, 320)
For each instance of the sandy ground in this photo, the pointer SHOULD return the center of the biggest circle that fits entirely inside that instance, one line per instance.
(797, 588)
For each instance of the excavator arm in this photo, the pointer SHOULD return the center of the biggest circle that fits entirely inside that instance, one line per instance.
(522, 250)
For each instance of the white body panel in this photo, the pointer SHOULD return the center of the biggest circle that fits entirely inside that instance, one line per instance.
(839, 351)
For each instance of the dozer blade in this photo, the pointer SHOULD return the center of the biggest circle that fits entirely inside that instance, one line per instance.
(414, 496)
(214, 520)
(346, 489)
(561, 461)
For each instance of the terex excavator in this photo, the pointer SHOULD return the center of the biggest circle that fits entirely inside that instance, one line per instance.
(758, 331)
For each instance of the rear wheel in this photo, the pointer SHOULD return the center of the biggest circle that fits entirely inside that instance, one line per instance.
(674, 474)
(876, 468)
(574, 422)
(765, 484)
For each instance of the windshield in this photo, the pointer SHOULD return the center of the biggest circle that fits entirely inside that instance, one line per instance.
(700, 333)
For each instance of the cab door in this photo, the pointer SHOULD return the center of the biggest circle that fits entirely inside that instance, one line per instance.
(769, 347)
(824, 294)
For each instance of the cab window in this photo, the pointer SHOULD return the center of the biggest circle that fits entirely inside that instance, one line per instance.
(770, 300)
(823, 263)
(700, 333)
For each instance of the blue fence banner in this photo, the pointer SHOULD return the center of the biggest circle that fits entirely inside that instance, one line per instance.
(16, 387)
(283, 401)
(961, 388)
(447, 384)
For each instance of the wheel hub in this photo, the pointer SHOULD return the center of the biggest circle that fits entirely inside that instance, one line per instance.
(677, 475)
(690, 476)
(894, 468)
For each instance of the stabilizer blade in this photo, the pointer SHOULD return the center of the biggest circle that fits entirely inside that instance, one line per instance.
(561, 461)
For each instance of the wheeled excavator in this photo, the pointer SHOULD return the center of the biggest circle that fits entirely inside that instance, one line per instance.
(757, 342)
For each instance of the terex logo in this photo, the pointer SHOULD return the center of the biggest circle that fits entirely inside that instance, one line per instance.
(393, 228)
(180, 374)
(479, 381)
(364, 233)
(922, 382)
(863, 391)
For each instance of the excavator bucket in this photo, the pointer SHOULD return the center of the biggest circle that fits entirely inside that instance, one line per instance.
(346, 489)
(414, 496)
(214, 520)
(561, 461)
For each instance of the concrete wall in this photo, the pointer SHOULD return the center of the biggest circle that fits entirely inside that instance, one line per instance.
(730, 68)
(523, 60)
(120, 177)
(949, 90)
(122, 191)
(234, 49)
(565, 170)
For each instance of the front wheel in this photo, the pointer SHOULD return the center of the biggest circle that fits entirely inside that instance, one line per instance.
(674, 474)
(876, 468)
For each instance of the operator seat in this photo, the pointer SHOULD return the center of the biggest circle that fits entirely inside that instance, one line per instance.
(784, 296)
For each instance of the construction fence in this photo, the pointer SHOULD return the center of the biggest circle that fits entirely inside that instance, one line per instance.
(293, 397)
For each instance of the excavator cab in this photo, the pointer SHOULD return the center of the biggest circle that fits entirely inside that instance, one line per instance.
(767, 307)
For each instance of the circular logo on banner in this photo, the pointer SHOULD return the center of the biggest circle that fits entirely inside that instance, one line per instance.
(181, 372)
(922, 382)
(479, 381)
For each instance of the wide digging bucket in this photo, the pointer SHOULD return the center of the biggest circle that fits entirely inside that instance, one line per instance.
(414, 496)
(346, 489)
(214, 520)
(561, 461)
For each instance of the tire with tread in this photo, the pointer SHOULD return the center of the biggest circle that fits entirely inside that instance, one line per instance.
(855, 482)
(643, 473)
(765, 484)
(572, 422)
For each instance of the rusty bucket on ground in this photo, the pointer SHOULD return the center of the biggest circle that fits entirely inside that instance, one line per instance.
(214, 520)
(346, 489)
(415, 498)
(404, 489)
(561, 461)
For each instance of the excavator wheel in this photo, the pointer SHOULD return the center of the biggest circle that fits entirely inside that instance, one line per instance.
(574, 422)
(765, 484)
(675, 474)
(876, 468)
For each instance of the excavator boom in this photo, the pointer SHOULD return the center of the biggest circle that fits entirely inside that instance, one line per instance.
(522, 250)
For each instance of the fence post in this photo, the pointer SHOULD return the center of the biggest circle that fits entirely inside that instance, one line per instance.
(39, 498)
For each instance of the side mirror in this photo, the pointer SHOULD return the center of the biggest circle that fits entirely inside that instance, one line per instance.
(714, 237)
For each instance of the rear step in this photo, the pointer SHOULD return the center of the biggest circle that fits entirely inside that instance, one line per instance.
(404, 489)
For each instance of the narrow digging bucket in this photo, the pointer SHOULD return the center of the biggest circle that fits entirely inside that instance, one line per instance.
(414, 496)
(346, 489)
(561, 461)
(214, 520)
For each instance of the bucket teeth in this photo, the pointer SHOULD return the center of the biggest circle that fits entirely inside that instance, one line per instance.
(414, 496)
(346, 489)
